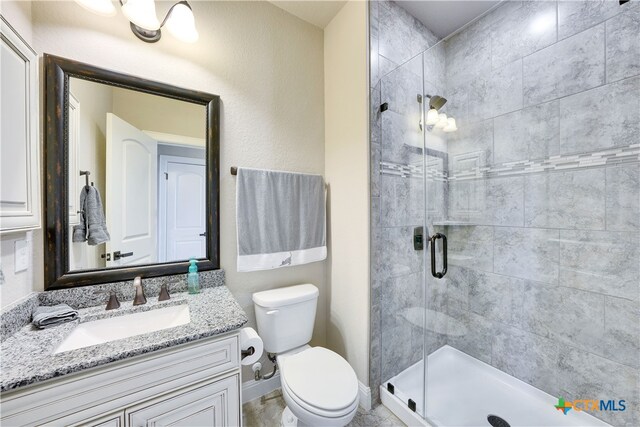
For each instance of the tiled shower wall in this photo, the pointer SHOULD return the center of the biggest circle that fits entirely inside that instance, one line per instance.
(541, 186)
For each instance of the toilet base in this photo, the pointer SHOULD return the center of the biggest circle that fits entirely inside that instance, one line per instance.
(290, 420)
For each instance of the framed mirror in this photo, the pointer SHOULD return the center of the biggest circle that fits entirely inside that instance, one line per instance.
(132, 176)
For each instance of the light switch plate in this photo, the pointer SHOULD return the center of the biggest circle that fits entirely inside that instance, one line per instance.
(22, 255)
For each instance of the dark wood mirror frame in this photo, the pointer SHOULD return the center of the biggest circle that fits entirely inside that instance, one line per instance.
(56, 240)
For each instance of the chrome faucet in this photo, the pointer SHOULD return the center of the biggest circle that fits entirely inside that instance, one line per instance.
(139, 298)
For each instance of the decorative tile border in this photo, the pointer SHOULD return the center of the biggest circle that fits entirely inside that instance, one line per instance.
(609, 157)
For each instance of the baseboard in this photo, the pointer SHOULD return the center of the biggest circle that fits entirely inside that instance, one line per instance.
(365, 396)
(253, 389)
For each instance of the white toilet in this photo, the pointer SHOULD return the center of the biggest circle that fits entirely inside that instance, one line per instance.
(318, 385)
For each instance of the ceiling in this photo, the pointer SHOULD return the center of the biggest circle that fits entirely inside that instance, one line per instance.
(445, 17)
(316, 12)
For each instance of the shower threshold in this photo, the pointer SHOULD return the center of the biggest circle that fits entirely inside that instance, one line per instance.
(464, 391)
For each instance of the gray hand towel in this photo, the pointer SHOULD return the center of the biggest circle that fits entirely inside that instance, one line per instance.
(93, 226)
(280, 218)
(48, 316)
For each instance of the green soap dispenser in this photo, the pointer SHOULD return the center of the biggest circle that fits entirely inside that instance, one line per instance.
(193, 282)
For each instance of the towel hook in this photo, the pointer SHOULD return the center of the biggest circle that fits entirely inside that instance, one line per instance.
(86, 177)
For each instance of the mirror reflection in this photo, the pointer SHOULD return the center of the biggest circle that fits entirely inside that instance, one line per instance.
(137, 178)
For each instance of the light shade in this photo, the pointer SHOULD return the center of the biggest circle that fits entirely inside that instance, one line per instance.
(181, 23)
(432, 117)
(101, 7)
(451, 125)
(442, 121)
(142, 13)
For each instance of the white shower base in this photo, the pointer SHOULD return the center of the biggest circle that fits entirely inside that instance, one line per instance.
(463, 391)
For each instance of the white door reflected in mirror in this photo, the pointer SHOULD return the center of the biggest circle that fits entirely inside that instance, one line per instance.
(147, 161)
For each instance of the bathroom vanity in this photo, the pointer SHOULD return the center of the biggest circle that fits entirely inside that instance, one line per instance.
(184, 375)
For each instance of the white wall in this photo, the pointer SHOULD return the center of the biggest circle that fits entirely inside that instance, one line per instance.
(266, 65)
(96, 101)
(346, 170)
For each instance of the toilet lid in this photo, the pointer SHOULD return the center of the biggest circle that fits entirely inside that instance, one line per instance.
(321, 378)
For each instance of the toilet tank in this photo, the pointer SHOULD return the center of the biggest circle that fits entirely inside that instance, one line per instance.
(285, 316)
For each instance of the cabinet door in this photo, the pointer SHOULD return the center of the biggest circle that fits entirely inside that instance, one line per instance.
(19, 159)
(111, 420)
(209, 404)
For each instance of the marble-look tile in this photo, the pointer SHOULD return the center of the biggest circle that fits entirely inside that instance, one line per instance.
(490, 295)
(467, 200)
(601, 261)
(534, 308)
(605, 117)
(567, 67)
(527, 134)
(401, 137)
(385, 66)
(401, 201)
(396, 254)
(623, 198)
(374, 42)
(479, 335)
(470, 247)
(435, 68)
(471, 146)
(527, 253)
(528, 357)
(396, 350)
(457, 105)
(378, 416)
(376, 141)
(585, 375)
(577, 16)
(563, 314)
(468, 54)
(573, 199)
(504, 201)
(495, 93)
(522, 32)
(398, 294)
(622, 331)
(401, 35)
(623, 45)
(401, 87)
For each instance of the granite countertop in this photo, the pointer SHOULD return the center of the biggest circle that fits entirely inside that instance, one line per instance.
(27, 355)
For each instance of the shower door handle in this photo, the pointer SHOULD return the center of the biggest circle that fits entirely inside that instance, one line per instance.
(434, 273)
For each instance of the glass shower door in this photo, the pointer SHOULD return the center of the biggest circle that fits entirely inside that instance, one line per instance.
(401, 239)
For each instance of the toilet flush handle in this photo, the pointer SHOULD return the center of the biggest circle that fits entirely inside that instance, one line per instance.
(273, 312)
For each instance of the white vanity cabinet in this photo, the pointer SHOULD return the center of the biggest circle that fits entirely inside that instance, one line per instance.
(193, 384)
(19, 159)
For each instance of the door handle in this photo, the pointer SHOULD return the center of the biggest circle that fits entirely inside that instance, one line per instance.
(434, 273)
(117, 255)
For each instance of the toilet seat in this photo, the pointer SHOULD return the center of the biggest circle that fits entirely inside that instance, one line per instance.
(319, 381)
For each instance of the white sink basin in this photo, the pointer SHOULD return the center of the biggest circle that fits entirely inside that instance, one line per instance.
(125, 326)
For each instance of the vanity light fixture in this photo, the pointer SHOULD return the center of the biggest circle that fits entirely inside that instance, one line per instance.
(451, 125)
(432, 117)
(144, 22)
(442, 121)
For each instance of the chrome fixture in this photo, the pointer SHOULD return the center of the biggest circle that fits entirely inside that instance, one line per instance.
(139, 299)
(436, 102)
(144, 22)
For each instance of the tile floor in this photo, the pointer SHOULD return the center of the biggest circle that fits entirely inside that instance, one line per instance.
(267, 410)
